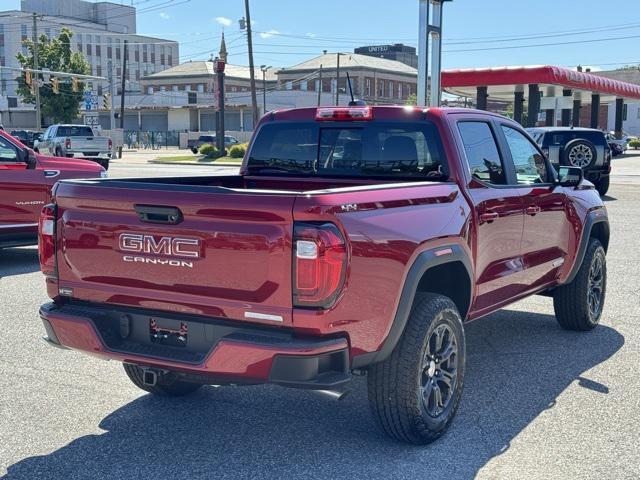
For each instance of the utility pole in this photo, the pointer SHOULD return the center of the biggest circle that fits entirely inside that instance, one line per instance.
(252, 76)
(218, 67)
(264, 69)
(337, 79)
(320, 85)
(36, 67)
(124, 70)
(429, 41)
(112, 118)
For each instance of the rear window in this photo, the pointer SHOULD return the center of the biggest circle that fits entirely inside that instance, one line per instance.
(392, 149)
(562, 138)
(207, 138)
(74, 131)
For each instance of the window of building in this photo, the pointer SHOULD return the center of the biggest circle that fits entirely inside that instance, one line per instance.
(367, 87)
(99, 90)
(136, 53)
(23, 31)
(381, 88)
(638, 112)
(109, 47)
(200, 88)
(310, 85)
(99, 70)
(400, 93)
(391, 89)
(98, 47)
(482, 153)
(118, 49)
(144, 53)
(333, 85)
(174, 88)
(150, 90)
(170, 60)
(288, 86)
(79, 41)
(153, 53)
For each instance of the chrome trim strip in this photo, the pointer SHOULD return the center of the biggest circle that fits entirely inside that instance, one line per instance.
(18, 225)
(263, 316)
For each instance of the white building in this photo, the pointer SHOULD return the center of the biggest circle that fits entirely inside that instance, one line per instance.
(100, 30)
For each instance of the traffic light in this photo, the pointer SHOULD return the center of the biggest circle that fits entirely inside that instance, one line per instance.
(28, 79)
(55, 85)
(74, 84)
(106, 101)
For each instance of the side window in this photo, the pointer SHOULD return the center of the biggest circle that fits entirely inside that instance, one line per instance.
(8, 152)
(530, 165)
(482, 152)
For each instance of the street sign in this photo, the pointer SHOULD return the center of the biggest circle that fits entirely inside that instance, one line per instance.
(91, 119)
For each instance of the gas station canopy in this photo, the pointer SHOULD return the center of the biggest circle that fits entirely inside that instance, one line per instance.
(503, 82)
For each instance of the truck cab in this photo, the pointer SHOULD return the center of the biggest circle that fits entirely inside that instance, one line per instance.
(26, 179)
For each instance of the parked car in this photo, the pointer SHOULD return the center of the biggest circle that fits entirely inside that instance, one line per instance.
(616, 148)
(194, 145)
(27, 137)
(26, 179)
(76, 141)
(622, 144)
(309, 267)
(586, 148)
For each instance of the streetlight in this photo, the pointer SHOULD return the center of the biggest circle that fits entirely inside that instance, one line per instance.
(263, 69)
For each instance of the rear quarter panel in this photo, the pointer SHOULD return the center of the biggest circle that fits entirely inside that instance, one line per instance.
(385, 233)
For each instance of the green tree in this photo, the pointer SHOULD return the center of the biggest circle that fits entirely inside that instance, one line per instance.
(411, 99)
(509, 113)
(55, 55)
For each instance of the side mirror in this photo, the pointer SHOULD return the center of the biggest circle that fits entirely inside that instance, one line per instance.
(569, 176)
(30, 158)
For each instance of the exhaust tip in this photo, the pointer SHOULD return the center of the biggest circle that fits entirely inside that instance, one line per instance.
(333, 394)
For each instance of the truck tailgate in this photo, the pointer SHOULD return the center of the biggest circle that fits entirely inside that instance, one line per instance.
(226, 253)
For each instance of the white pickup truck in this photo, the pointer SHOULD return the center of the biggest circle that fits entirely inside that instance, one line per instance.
(75, 141)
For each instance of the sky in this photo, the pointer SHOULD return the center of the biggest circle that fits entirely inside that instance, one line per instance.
(476, 33)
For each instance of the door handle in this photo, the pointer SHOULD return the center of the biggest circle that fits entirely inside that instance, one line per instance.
(489, 216)
(533, 209)
(154, 214)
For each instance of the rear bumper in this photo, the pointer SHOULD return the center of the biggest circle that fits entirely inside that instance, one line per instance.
(218, 350)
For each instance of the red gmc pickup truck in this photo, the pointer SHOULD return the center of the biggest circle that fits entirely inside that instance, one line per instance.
(354, 241)
(26, 179)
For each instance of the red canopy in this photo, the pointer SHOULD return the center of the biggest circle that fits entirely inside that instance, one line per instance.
(456, 80)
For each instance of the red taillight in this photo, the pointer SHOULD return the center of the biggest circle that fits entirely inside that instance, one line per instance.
(344, 113)
(67, 143)
(47, 239)
(320, 260)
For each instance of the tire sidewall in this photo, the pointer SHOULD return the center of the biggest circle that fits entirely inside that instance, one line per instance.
(451, 318)
(598, 251)
(574, 143)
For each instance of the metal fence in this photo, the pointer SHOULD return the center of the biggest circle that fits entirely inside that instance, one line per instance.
(151, 140)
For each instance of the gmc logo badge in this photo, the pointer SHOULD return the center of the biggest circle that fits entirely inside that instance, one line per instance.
(169, 246)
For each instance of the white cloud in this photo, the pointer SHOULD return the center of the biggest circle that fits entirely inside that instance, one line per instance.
(311, 35)
(164, 16)
(269, 34)
(224, 21)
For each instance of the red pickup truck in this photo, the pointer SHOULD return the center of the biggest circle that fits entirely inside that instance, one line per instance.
(26, 179)
(354, 241)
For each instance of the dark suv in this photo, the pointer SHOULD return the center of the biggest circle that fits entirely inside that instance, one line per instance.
(586, 148)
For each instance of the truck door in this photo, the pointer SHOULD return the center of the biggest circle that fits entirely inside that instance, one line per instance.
(547, 226)
(22, 192)
(499, 218)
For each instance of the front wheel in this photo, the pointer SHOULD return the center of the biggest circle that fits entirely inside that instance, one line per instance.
(578, 305)
(194, 151)
(167, 384)
(58, 152)
(415, 392)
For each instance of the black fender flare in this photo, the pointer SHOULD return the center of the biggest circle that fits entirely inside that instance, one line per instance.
(423, 262)
(594, 217)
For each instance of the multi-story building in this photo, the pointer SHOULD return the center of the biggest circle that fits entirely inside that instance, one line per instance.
(373, 79)
(397, 51)
(100, 31)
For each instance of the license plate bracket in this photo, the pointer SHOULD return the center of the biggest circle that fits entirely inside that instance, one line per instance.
(168, 336)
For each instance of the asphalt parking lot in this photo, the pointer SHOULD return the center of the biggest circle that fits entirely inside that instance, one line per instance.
(539, 402)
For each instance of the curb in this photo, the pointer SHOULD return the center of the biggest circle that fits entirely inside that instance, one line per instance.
(201, 164)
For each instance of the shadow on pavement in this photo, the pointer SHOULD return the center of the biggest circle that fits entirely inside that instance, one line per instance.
(18, 261)
(608, 198)
(518, 364)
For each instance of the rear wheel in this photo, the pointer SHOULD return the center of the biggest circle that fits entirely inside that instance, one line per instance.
(603, 185)
(578, 305)
(194, 150)
(167, 384)
(414, 394)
